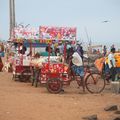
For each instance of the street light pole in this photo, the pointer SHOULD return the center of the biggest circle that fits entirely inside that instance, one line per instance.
(13, 13)
(12, 16)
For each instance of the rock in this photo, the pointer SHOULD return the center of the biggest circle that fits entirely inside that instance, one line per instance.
(117, 112)
(111, 108)
(116, 118)
(91, 117)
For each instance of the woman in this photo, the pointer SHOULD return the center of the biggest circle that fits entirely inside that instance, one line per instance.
(1, 64)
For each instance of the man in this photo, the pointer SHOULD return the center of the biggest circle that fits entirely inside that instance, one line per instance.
(80, 50)
(1, 50)
(61, 48)
(112, 64)
(77, 67)
(104, 50)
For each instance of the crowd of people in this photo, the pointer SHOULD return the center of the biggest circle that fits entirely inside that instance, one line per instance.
(74, 53)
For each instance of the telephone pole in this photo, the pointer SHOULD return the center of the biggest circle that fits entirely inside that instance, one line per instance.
(12, 16)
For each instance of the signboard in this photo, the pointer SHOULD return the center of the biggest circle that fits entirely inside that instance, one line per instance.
(25, 33)
(57, 33)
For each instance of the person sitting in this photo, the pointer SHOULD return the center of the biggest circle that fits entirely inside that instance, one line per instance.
(23, 50)
(57, 52)
(47, 52)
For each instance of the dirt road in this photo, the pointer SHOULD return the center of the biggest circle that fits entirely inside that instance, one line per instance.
(21, 101)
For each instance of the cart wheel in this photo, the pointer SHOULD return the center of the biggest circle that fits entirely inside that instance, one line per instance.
(25, 75)
(54, 85)
(95, 83)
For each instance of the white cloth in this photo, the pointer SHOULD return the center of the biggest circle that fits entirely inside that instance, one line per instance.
(77, 60)
(111, 58)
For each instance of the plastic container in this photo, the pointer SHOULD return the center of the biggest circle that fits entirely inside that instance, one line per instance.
(115, 86)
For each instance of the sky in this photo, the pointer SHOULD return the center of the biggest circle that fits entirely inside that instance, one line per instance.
(86, 15)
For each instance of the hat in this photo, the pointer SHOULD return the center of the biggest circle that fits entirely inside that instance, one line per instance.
(77, 60)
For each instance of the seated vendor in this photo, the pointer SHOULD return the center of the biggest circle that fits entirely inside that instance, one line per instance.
(22, 50)
(46, 53)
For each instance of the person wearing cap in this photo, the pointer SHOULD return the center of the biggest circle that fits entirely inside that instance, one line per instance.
(112, 64)
(77, 67)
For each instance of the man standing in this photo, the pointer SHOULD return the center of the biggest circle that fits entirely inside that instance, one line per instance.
(78, 68)
(80, 50)
(112, 64)
(104, 50)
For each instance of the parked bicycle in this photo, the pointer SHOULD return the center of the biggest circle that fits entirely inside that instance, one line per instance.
(93, 81)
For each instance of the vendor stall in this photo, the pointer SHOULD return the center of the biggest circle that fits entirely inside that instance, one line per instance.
(21, 59)
(54, 67)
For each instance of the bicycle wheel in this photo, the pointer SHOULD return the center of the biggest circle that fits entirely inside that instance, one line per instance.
(54, 85)
(95, 83)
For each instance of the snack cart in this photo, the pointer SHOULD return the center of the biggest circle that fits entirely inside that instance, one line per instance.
(51, 67)
(21, 62)
(54, 74)
(21, 68)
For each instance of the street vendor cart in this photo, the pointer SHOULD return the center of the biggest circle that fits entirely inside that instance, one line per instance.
(54, 74)
(21, 61)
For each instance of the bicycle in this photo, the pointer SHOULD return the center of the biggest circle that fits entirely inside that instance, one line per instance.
(92, 81)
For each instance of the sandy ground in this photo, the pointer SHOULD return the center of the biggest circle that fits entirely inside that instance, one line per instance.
(21, 101)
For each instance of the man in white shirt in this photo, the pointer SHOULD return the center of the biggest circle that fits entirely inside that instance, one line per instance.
(78, 68)
(112, 64)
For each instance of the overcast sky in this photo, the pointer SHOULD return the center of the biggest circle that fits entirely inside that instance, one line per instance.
(86, 15)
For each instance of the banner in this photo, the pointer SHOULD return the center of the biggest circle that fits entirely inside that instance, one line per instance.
(57, 33)
(25, 33)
